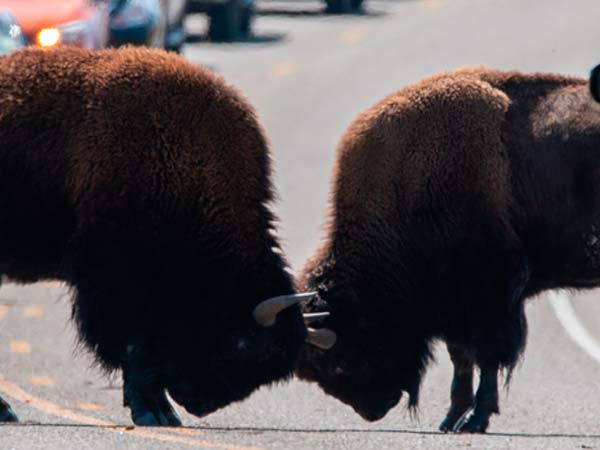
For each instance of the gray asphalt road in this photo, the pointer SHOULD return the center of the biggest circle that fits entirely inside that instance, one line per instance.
(308, 75)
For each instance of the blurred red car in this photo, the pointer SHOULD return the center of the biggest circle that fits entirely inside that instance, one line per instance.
(46, 23)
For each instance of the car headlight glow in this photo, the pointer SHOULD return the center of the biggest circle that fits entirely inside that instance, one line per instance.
(48, 37)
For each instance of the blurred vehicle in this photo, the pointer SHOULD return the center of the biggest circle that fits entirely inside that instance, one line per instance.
(153, 23)
(83, 23)
(595, 83)
(229, 19)
(11, 36)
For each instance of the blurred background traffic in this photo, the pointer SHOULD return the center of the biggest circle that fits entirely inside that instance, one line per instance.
(97, 24)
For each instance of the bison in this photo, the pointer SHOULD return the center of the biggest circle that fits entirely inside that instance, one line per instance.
(454, 200)
(143, 182)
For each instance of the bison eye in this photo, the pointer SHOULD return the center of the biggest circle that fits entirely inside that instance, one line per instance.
(339, 371)
(242, 344)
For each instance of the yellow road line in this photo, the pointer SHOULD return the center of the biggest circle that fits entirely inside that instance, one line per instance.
(433, 5)
(42, 381)
(33, 311)
(20, 347)
(186, 431)
(3, 310)
(15, 392)
(354, 35)
(283, 69)
(89, 406)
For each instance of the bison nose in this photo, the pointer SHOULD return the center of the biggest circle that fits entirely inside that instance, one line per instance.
(390, 404)
(376, 413)
(200, 409)
(372, 416)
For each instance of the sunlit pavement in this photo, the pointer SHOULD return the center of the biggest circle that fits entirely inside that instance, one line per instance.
(309, 74)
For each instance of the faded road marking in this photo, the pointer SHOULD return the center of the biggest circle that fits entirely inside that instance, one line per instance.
(354, 35)
(91, 406)
(283, 69)
(3, 310)
(563, 308)
(186, 431)
(434, 4)
(42, 381)
(20, 347)
(15, 392)
(33, 311)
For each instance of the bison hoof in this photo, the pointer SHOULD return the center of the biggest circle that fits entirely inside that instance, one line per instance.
(472, 422)
(152, 411)
(447, 424)
(7, 414)
(155, 418)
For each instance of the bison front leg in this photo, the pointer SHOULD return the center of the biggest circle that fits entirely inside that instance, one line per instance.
(461, 391)
(6, 412)
(144, 394)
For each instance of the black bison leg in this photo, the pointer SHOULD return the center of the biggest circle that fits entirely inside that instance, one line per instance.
(6, 412)
(500, 338)
(461, 391)
(486, 403)
(145, 395)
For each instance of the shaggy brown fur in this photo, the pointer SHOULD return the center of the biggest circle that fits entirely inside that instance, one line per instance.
(143, 181)
(453, 200)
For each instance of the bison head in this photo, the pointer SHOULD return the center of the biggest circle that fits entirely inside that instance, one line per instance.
(257, 349)
(372, 363)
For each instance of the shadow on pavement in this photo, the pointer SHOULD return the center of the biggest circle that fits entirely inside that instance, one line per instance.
(261, 38)
(303, 430)
(291, 11)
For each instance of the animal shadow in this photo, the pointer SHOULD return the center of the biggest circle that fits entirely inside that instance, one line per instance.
(252, 38)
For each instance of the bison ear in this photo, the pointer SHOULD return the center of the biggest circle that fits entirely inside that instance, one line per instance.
(266, 311)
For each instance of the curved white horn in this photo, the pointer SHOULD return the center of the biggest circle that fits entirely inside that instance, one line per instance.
(314, 317)
(323, 338)
(266, 312)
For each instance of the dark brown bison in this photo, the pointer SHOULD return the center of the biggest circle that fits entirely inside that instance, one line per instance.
(454, 200)
(143, 182)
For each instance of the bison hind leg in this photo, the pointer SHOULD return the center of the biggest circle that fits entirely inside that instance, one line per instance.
(498, 339)
(461, 391)
(477, 419)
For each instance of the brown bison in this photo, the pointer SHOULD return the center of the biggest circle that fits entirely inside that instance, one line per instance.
(454, 200)
(143, 182)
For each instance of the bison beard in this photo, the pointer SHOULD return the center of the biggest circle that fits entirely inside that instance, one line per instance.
(143, 182)
(454, 200)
